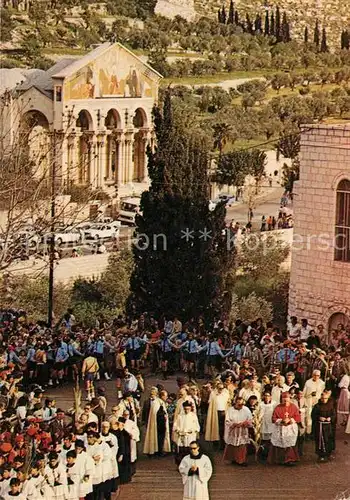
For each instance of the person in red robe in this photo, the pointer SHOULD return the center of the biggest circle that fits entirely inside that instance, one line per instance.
(285, 417)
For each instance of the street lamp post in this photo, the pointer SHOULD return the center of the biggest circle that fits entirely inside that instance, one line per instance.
(52, 231)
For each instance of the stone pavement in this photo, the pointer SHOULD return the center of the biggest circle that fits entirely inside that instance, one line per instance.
(158, 479)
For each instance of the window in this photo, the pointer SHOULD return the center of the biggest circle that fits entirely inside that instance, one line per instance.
(58, 91)
(342, 224)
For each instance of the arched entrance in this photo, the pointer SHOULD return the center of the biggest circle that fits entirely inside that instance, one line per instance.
(35, 143)
(113, 124)
(337, 319)
(84, 124)
(139, 152)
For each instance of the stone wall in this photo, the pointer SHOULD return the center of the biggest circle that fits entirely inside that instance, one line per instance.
(173, 8)
(320, 286)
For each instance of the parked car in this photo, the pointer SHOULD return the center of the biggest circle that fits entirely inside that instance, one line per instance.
(102, 232)
(68, 235)
(129, 207)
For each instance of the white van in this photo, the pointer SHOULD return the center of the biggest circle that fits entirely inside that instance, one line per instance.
(129, 207)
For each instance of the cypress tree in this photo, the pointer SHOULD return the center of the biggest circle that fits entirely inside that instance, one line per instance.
(317, 34)
(219, 16)
(231, 13)
(236, 17)
(178, 270)
(272, 25)
(285, 31)
(258, 24)
(306, 35)
(249, 25)
(223, 15)
(278, 24)
(345, 40)
(267, 24)
(342, 40)
(324, 46)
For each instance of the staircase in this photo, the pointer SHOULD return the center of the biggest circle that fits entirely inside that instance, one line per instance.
(158, 479)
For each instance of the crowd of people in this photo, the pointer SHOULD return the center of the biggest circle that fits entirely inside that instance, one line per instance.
(247, 389)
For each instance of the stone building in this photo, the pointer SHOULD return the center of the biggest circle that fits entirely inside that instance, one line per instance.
(320, 273)
(98, 111)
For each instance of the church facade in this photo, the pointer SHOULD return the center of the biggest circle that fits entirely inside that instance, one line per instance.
(95, 113)
(320, 272)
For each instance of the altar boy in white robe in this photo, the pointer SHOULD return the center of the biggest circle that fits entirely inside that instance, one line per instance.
(56, 478)
(196, 470)
(87, 466)
(185, 430)
(131, 428)
(74, 475)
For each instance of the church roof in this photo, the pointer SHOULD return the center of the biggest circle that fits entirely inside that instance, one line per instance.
(91, 56)
(24, 79)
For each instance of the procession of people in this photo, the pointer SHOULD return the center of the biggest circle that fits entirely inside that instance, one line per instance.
(246, 391)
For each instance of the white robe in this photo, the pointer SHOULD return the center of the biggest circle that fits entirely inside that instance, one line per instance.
(266, 422)
(277, 392)
(74, 473)
(52, 475)
(21, 496)
(311, 387)
(132, 429)
(196, 486)
(87, 466)
(185, 429)
(100, 453)
(237, 436)
(112, 443)
(32, 487)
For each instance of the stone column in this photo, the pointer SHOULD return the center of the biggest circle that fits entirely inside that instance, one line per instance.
(92, 166)
(118, 175)
(130, 161)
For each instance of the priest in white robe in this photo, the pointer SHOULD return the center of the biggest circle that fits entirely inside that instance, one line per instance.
(237, 422)
(312, 391)
(157, 438)
(185, 430)
(196, 470)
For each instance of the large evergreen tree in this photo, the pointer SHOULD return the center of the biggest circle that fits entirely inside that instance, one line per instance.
(285, 30)
(317, 34)
(324, 46)
(249, 25)
(278, 25)
(267, 24)
(258, 24)
(231, 13)
(345, 40)
(306, 35)
(223, 15)
(181, 256)
(236, 17)
(272, 25)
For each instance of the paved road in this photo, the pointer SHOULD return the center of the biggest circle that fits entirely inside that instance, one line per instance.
(158, 479)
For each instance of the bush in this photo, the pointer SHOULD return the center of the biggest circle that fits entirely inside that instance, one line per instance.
(31, 294)
(304, 91)
(9, 62)
(250, 308)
